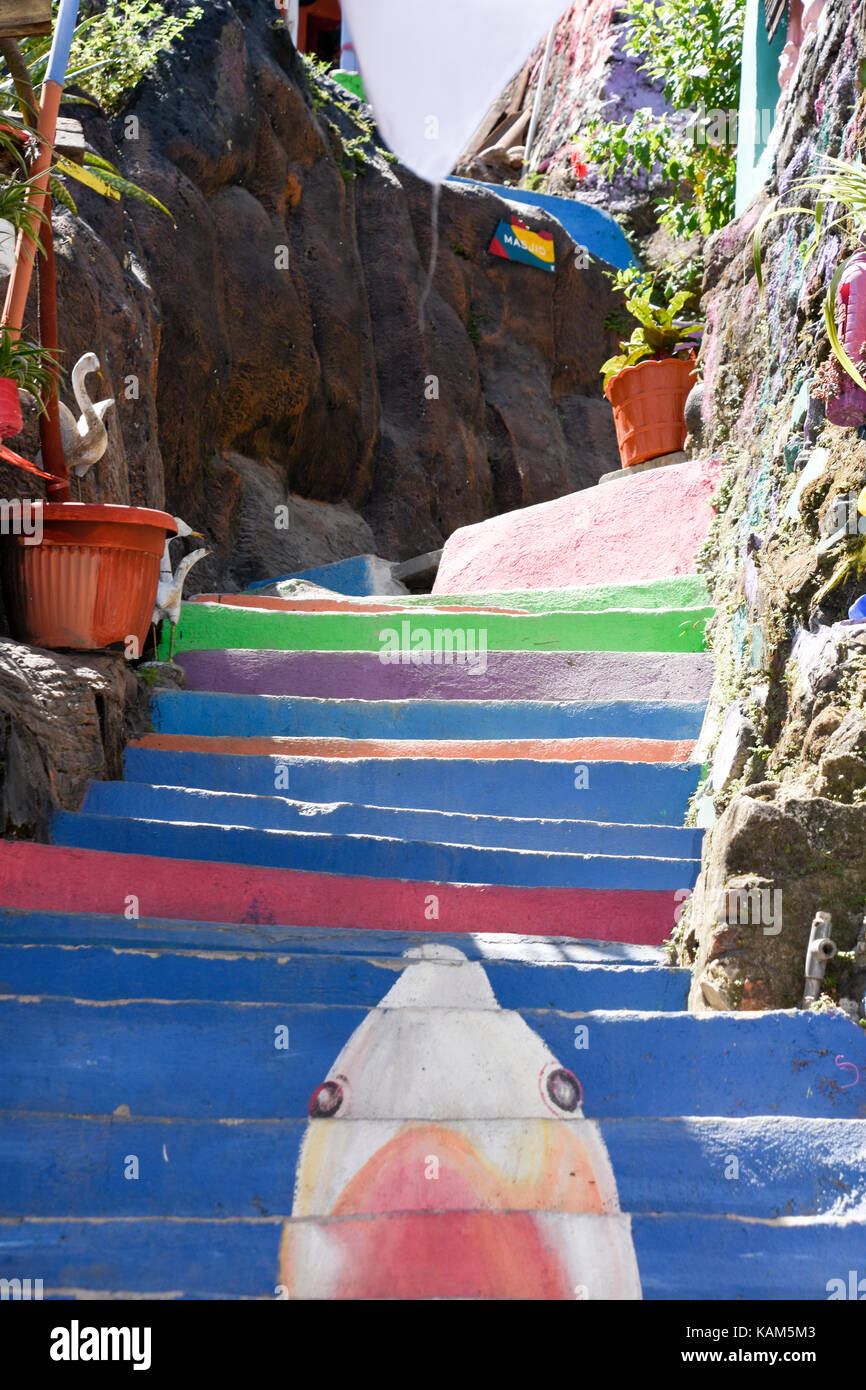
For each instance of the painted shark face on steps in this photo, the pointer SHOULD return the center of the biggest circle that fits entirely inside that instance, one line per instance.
(448, 1121)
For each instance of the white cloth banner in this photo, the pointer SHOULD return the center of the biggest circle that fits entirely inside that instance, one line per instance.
(433, 68)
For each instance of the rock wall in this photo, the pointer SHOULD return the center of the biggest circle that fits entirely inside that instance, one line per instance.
(63, 721)
(266, 345)
(786, 561)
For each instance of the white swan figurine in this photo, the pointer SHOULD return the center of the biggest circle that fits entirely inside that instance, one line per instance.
(84, 440)
(169, 593)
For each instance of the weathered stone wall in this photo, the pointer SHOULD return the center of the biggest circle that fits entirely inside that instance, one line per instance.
(64, 720)
(790, 770)
(262, 372)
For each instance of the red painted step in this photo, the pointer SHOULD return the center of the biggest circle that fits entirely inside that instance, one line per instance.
(47, 877)
(624, 750)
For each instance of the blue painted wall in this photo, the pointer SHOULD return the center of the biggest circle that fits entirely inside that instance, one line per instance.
(588, 226)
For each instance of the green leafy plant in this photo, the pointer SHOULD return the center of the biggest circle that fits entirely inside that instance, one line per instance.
(116, 46)
(839, 185)
(694, 49)
(660, 331)
(16, 192)
(20, 76)
(30, 366)
(535, 181)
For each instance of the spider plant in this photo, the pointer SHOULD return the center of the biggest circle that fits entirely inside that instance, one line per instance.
(30, 366)
(839, 184)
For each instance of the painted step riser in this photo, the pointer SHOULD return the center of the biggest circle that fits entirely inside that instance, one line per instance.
(593, 677)
(159, 1060)
(202, 891)
(627, 793)
(20, 927)
(248, 716)
(783, 1167)
(470, 637)
(366, 856)
(442, 827)
(241, 1259)
(684, 591)
(99, 972)
(571, 750)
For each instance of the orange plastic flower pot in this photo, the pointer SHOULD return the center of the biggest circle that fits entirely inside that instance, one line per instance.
(91, 580)
(649, 403)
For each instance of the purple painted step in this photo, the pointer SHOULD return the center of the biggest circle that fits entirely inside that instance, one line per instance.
(591, 676)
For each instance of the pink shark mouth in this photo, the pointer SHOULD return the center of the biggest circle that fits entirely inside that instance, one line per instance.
(430, 1216)
(418, 1255)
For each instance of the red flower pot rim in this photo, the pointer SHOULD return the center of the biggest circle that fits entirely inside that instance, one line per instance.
(689, 360)
(108, 511)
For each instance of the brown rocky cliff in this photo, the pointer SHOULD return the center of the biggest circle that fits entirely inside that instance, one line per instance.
(256, 381)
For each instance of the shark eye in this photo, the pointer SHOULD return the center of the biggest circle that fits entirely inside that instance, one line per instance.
(561, 1088)
(326, 1100)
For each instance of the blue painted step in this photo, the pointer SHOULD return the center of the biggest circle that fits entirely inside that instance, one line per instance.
(107, 972)
(18, 925)
(784, 1167)
(241, 716)
(141, 799)
(628, 793)
(369, 856)
(206, 1060)
(679, 1257)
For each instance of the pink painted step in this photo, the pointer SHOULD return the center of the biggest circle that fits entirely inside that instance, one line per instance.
(643, 528)
(46, 877)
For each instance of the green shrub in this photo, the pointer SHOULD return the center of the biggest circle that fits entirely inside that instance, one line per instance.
(694, 49)
(115, 47)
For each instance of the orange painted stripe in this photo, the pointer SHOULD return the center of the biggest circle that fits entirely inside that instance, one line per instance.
(333, 605)
(627, 750)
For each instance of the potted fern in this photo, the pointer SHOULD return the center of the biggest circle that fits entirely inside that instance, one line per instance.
(648, 381)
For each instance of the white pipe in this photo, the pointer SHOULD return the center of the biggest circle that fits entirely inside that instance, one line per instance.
(821, 948)
(536, 106)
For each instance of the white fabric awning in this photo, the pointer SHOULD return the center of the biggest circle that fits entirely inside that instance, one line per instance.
(433, 68)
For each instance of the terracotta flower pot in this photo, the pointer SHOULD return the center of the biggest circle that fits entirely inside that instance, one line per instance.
(11, 421)
(91, 580)
(649, 402)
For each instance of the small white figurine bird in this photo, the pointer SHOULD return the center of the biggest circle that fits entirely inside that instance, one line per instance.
(84, 440)
(169, 593)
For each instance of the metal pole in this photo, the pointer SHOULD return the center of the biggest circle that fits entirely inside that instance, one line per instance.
(49, 424)
(536, 107)
(49, 105)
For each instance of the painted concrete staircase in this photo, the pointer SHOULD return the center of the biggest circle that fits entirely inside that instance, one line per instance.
(353, 987)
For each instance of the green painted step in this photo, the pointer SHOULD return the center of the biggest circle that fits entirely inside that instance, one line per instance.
(683, 591)
(206, 626)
